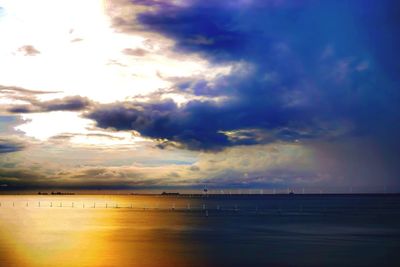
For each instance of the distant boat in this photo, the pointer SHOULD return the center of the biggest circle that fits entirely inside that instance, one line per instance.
(56, 193)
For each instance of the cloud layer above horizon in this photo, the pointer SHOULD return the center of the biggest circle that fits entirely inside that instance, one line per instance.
(250, 93)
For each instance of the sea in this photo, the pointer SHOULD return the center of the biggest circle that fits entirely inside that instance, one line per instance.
(200, 230)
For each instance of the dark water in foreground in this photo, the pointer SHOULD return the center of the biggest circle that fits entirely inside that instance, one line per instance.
(275, 230)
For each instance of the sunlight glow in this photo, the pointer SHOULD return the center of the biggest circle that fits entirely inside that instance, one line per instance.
(76, 50)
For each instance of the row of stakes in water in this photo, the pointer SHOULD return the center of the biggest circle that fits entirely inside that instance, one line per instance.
(203, 208)
(60, 205)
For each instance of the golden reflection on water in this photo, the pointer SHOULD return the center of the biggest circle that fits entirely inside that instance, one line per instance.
(37, 231)
(85, 236)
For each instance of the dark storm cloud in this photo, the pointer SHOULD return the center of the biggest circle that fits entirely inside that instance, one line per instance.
(159, 4)
(68, 103)
(164, 120)
(72, 103)
(9, 146)
(304, 70)
(200, 125)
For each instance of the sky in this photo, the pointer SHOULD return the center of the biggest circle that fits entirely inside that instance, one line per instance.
(252, 94)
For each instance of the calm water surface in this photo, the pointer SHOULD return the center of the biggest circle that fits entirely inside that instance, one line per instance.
(155, 231)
